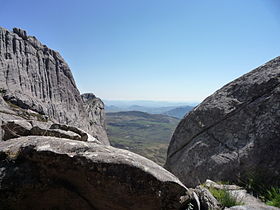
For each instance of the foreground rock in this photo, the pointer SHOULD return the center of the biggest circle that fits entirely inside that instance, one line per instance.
(252, 207)
(233, 134)
(35, 81)
(206, 199)
(53, 173)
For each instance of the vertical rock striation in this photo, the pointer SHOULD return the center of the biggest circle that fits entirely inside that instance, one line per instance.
(34, 77)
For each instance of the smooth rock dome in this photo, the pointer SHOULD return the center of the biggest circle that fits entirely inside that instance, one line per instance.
(233, 133)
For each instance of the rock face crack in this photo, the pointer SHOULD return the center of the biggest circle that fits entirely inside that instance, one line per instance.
(67, 185)
(242, 107)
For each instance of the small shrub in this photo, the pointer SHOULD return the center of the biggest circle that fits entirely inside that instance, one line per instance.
(256, 184)
(190, 206)
(272, 196)
(224, 197)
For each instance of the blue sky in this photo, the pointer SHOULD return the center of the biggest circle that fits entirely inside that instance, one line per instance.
(179, 50)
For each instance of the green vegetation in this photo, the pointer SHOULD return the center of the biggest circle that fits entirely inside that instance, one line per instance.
(224, 197)
(142, 133)
(272, 196)
(2, 91)
(257, 184)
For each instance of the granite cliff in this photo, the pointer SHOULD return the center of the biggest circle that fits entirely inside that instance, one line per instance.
(36, 79)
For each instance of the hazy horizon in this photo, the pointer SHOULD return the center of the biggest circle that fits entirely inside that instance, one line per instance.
(148, 103)
(180, 51)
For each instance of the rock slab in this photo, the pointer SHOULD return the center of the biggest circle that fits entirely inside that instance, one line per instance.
(39, 172)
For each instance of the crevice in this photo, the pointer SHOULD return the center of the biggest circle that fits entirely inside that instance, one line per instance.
(67, 185)
(14, 45)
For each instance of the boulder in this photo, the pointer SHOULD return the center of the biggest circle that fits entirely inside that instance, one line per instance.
(206, 199)
(233, 133)
(15, 128)
(38, 172)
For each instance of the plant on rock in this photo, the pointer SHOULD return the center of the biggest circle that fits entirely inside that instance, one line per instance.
(224, 197)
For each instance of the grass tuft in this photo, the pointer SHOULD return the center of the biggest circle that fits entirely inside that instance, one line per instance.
(224, 197)
(256, 184)
(272, 196)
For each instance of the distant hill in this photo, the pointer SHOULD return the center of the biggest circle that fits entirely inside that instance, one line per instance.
(147, 103)
(143, 133)
(179, 112)
(167, 110)
(150, 110)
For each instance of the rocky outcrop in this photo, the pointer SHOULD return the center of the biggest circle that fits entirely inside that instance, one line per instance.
(206, 199)
(41, 172)
(17, 128)
(94, 108)
(233, 133)
(36, 78)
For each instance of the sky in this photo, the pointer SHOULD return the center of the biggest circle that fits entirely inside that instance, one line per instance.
(160, 50)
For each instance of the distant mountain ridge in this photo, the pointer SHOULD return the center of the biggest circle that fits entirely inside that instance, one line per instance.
(174, 111)
(179, 112)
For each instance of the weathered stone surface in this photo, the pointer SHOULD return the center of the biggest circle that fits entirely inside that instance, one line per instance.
(95, 110)
(252, 207)
(51, 173)
(207, 200)
(17, 128)
(34, 77)
(83, 136)
(232, 133)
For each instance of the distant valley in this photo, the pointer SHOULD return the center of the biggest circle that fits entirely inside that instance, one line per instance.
(173, 111)
(143, 133)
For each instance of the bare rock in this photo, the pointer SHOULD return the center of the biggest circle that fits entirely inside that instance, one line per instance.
(232, 133)
(17, 128)
(51, 173)
(38, 131)
(83, 136)
(95, 110)
(252, 207)
(207, 200)
(34, 77)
